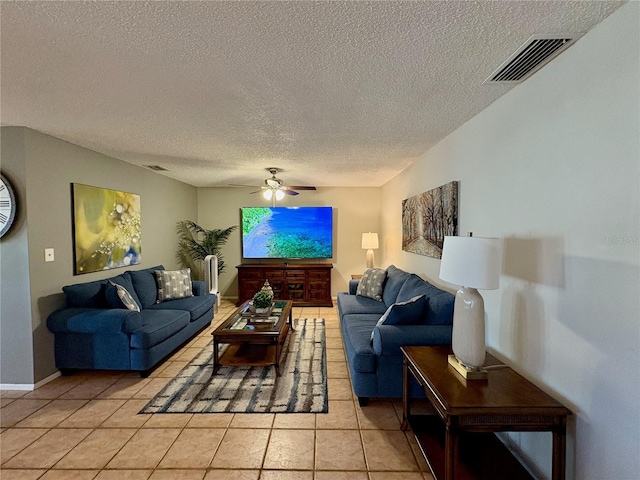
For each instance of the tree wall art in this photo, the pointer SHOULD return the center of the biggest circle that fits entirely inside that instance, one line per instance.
(427, 218)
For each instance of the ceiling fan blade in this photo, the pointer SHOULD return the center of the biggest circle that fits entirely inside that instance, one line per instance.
(238, 185)
(300, 187)
(289, 192)
(257, 191)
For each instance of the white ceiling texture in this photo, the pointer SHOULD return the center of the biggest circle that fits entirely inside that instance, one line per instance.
(336, 93)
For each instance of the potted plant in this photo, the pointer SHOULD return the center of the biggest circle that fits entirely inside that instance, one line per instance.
(262, 301)
(196, 242)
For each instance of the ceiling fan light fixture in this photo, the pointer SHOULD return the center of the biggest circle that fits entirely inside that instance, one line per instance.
(267, 194)
(279, 195)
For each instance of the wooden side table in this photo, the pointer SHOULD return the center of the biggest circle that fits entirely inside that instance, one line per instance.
(458, 442)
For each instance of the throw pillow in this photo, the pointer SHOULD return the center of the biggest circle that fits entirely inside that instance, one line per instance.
(404, 313)
(173, 284)
(119, 297)
(372, 283)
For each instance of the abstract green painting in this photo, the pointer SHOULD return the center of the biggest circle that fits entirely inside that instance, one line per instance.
(106, 229)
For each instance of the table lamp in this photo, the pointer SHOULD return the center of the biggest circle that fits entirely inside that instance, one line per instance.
(473, 263)
(369, 242)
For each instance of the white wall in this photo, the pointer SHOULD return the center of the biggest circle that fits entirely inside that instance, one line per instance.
(553, 168)
(355, 210)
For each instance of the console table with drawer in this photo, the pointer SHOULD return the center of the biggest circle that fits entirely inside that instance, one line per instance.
(306, 284)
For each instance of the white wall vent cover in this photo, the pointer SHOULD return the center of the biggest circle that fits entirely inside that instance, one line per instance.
(157, 168)
(536, 52)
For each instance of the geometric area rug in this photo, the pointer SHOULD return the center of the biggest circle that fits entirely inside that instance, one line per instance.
(302, 387)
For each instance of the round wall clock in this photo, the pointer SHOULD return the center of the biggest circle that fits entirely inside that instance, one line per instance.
(7, 205)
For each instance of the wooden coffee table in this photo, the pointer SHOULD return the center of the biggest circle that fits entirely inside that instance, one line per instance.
(458, 442)
(254, 340)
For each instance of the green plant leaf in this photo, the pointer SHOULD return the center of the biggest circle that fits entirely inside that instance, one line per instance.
(195, 243)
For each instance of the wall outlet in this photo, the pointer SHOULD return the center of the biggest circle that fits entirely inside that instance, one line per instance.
(48, 255)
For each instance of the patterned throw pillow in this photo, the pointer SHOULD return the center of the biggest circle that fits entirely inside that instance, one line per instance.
(173, 284)
(371, 283)
(124, 296)
(404, 313)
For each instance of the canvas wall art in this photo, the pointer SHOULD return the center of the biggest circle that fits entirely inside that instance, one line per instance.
(427, 218)
(106, 228)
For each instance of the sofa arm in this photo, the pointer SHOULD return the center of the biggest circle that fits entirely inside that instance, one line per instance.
(94, 320)
(198, 288)
(353, 286)
(387, 339)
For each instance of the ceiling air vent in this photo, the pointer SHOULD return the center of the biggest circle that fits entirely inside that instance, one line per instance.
(157, 168)
(536, 52)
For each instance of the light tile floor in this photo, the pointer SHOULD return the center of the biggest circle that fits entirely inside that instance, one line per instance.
(86, 426)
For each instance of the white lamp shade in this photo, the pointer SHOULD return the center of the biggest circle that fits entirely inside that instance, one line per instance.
(279, 195)
(267, 194)
(369, 240)
(472, 262)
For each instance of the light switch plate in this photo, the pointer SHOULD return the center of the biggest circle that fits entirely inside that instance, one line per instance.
(48, 255)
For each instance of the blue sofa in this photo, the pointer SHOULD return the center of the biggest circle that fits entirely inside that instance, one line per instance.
(375, 362)
(90, 334)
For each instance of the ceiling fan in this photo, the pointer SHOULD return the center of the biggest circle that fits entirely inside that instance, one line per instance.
(275, 189)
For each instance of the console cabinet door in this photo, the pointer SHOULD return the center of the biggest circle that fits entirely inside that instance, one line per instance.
(249, 282)
(318, 285)
(295, 285)
(276, 280)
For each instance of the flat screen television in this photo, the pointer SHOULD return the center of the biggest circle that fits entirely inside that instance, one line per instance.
(287, 232)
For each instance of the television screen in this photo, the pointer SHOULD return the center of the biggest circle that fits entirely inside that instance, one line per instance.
(287, 232)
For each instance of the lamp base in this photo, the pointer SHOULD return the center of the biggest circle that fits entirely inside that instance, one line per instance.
(466, 372)
(467, 338)
(369, 257)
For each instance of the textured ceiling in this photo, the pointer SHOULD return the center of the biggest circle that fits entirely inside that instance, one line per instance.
(335, 93)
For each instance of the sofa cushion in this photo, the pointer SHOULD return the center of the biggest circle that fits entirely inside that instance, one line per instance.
(144, 283)
(356, 332)
(86, 295)
(173, 284)
(395, 280)
(439, 309)
(118, 297)
(196, 306)
(412, 286)
(409, 312)
(349, 304)
(372, 283)
(157, 326)
(125, 281)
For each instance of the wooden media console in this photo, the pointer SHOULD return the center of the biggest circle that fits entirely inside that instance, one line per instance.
(305, 284)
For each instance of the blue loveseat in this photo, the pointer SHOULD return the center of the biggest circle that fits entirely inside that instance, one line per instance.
(375, 361)
(89, 333)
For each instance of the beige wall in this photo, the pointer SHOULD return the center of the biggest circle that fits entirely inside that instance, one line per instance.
(553, 168)
(355, 210)
(50, 166)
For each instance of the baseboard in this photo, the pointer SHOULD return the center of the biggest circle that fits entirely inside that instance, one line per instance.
(29, 387)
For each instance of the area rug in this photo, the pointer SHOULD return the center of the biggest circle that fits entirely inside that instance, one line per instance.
(302, 387)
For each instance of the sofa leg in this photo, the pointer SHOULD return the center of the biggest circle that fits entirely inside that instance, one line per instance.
(363, 401)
